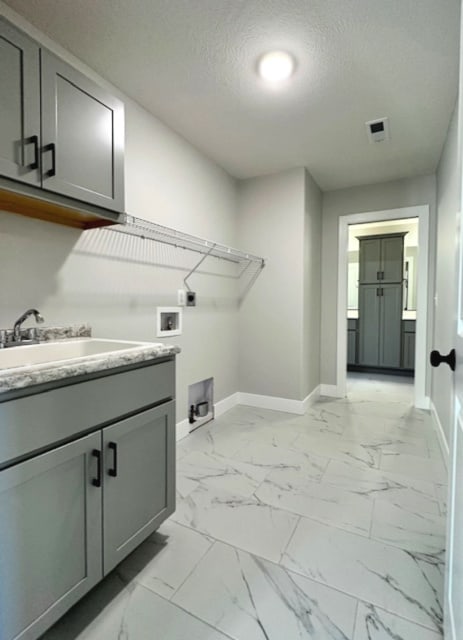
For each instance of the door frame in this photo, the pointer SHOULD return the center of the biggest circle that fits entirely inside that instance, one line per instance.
(422, 400)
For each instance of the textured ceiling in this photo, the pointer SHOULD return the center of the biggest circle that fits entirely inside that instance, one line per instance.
(192, 64)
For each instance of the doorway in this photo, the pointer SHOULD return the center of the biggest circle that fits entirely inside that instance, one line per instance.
(418, 298)
(381, 297)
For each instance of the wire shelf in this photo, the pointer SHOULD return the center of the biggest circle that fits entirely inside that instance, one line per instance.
(158, 233)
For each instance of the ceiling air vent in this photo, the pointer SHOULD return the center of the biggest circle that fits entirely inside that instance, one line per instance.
(378, 130)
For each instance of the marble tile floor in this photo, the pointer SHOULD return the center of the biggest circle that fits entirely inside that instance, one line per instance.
(328, 526)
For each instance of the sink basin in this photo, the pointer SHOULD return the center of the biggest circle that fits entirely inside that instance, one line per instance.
(50, 352)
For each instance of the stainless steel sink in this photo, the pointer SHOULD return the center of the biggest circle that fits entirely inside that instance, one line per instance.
(50, 352)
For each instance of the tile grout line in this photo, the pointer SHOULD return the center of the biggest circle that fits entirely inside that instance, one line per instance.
(354, 628)
(189, 613)
(289, 540)
(214, 542)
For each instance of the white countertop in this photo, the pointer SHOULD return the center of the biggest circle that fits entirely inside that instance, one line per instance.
(353, 314)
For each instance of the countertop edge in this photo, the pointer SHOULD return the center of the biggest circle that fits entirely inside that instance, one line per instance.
(30, 377)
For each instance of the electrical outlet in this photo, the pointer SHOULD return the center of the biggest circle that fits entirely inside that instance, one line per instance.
(190, 299)
(181, 297)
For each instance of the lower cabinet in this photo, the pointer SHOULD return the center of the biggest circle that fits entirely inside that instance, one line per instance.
(380, 311)
(368, 343)
(72, 514)
(50, 537)
(408, 344)
(351, 341)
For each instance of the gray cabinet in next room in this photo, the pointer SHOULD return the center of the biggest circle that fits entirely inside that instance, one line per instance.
(380, 301)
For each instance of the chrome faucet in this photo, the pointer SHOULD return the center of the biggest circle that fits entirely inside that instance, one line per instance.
(21, 319)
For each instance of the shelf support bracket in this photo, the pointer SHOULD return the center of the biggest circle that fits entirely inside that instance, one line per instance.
(187, 286)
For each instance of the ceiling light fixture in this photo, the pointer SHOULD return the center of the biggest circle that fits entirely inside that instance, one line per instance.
(276, 66)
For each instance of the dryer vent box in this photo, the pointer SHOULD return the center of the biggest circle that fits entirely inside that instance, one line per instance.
(378, 130)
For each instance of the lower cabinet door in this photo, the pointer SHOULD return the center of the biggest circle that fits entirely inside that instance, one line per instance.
(139, 480)
(369, 325)
(50, 537)
(391, 326)
(408, 354)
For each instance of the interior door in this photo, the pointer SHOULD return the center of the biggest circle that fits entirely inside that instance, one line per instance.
(455, 521)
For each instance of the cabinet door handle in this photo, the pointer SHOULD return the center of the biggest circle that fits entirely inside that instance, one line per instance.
(113, 471)
(35, 141)
(52, 148)
(96, 482)
(378, 275)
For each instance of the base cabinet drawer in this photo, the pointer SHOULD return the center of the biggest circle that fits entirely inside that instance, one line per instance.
(50, 537)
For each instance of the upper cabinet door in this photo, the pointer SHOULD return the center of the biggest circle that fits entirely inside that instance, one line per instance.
(19, 106)
(392, 258)
(369, 260)
(82, 136)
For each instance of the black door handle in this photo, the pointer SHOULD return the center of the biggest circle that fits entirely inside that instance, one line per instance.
(113, 472)
(96, 453)
(35, 141)
(51, 147)
(450, 359)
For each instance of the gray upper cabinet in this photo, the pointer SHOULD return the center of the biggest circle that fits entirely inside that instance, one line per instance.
(139, 484)
(381, 259)
(392, 260)
(19, 106)
(82, 136)
(59, 130)
(369, 260)
(50, 537)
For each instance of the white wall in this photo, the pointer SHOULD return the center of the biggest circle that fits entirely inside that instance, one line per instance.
(270, 218)
(114, 282)
(312, 287)
(376, 197)
(448, 206)
(280, 217)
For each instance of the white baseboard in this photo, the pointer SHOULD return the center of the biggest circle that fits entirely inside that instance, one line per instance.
(440, 433)
(279, 404)
(311, 398)
(423, 402)
(226, 404)
(254, 400)
(183, 429)
(220, 407)
(331, 391)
